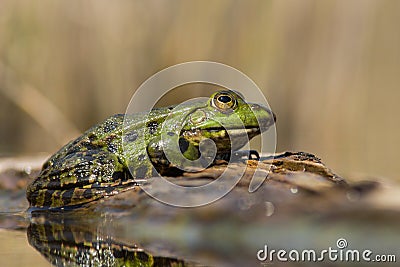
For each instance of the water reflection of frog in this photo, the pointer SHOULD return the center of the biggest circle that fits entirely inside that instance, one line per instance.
(65, 243)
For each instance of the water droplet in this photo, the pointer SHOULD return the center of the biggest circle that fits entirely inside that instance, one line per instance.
(294, 190)
(28, 170)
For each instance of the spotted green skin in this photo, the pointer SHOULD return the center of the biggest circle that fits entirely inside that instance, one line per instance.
(115, 155)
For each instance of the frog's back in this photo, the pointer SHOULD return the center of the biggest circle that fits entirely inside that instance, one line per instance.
(84, 170)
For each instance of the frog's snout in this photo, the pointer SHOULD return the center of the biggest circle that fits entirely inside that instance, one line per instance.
(268, 121)
(265, 116)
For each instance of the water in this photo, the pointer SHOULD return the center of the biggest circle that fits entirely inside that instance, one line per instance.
(241, 229)
(117, 231)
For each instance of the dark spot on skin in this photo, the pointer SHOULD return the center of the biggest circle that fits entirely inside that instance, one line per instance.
(123, 176)
(46, 164)
(110, 126)
(108, 190)
(116, 176)
(87, 194)
(96, 185)
(87, 145)
(183, 144)
(141, 172)
(120, 161)
(152, 126)
(170, 133)
(141, 157)
(32, 198)
(143, 257)
(66, 196)
(47, 197)
(113, 148)
(118, 253)
(76, 149)
(170, 108)
(131, 136)
(92, 137)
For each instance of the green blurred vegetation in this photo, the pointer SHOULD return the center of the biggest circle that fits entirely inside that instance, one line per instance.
(330, 69)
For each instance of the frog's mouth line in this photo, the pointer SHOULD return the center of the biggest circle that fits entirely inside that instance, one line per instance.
(248, 131)
(220, 132)
(236, 131)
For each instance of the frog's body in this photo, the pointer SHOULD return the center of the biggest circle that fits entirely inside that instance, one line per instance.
(112, 156)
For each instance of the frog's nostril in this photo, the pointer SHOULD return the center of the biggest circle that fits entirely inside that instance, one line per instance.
(273, 114)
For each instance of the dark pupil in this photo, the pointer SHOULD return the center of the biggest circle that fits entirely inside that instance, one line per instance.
(224, 99)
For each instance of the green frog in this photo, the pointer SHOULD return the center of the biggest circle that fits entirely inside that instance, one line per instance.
(115, 155)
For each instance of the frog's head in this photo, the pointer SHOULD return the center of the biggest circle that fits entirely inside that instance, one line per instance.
(225, 114)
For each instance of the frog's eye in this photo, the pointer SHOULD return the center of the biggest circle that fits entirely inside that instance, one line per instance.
(224, 101)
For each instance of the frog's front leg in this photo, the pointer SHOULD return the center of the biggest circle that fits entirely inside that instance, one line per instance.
(156, 151)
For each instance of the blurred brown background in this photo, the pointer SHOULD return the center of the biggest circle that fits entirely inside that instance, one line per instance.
(329, 69)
